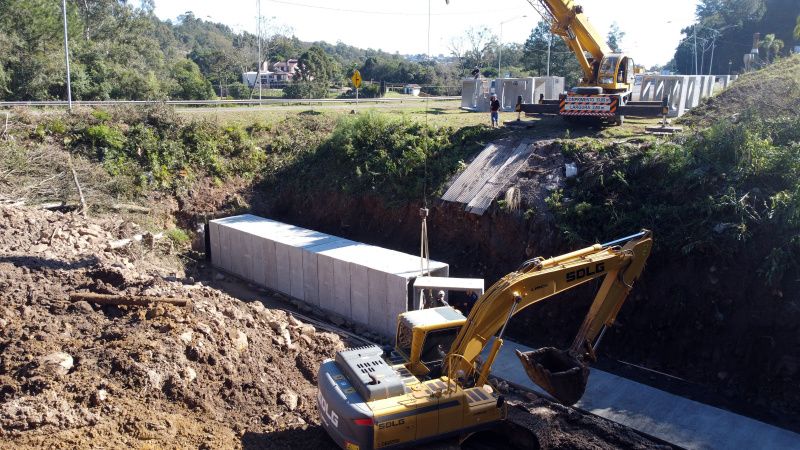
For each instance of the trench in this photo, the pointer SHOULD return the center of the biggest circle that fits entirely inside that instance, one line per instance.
(675, 306)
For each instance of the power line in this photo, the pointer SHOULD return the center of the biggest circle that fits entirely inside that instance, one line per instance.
(383, 13)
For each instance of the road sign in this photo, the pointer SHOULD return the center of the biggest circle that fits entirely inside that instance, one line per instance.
(356, 79)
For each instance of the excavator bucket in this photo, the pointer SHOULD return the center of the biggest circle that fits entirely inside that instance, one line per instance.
(557, 372)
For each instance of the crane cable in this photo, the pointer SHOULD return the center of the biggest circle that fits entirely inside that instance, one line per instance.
(424, 253)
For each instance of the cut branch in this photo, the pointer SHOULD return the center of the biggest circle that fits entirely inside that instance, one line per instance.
(135, 300)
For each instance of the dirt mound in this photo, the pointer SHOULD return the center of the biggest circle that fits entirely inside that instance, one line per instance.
(559, 427)
(773, 91)
(219, 372)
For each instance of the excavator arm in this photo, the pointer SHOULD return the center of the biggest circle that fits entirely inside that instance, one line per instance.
(537, 280)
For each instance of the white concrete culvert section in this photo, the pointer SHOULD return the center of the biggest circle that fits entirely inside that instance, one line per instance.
(365, 284)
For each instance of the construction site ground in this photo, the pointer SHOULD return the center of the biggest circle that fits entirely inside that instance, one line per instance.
(218, 373)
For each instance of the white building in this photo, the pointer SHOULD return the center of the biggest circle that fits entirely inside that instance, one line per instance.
(281, 74)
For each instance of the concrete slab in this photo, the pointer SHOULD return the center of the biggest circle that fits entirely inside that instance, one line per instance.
(270, 264)
(379, 300)
(214, 240)
(284, 268)
(675, 419)
(359, 295)
(341, 287)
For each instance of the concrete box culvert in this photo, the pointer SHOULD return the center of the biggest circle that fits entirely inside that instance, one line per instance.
(367, 284)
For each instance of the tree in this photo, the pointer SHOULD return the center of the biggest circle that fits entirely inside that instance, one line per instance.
(562, 61)
(188, 83)
(614, 38)
(481, 43)
(797, 29)
(315, 65)
(771, 46)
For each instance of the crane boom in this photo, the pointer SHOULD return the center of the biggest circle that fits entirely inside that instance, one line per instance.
(568, 21)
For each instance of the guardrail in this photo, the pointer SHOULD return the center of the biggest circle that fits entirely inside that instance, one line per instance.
(268, 101)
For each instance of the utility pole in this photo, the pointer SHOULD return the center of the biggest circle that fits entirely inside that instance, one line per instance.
(66, 54)
(695, 48)
(549, 45)
(500, 46)
(258, 60)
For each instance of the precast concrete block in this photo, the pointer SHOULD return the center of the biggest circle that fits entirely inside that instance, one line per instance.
(359, 293)
(469, 89)
(310, 278)
(397, 302)
(341, 288)
(706, 86)
(325, 284)
(284, 268)
(213, 231)
(270, 264)
(378, 299)
(511, 88)
(257, 268)
(296, 272)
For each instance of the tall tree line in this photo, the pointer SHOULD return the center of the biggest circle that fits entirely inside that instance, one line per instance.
(723, 33)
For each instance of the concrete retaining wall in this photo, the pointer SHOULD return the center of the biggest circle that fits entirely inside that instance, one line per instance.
(366, 284)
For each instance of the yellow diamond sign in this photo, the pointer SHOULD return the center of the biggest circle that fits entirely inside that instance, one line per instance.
(356, 79)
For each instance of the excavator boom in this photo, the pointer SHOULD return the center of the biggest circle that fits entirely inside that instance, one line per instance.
(537, 280)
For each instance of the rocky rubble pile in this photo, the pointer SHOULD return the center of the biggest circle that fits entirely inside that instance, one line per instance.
(218, 372)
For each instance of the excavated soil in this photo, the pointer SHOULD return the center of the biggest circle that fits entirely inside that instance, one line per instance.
(218, 373)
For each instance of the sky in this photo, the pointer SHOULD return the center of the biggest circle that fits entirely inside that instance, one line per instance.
(651, 27)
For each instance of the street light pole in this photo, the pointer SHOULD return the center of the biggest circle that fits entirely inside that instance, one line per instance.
(549, 45)
(66, 54)
(500, 46)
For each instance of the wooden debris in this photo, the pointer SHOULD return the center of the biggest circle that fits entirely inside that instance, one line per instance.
(77, 185)
(136, 300)
(130, 208)
(113, 245)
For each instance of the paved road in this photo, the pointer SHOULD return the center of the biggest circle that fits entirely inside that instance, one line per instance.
(675, 419)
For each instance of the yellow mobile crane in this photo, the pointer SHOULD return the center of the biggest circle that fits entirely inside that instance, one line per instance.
(605, 90)
(432, 385)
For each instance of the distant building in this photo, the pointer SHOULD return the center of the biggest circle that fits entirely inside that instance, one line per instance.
(282, 73)
(412, 89)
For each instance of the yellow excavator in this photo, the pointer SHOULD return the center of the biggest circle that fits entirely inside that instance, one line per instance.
(604, 92)
(433, 384)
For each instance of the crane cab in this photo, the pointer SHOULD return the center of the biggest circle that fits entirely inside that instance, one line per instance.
(615, 73)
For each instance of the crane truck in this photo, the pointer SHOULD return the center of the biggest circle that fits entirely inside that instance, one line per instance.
(604, 92)
(433, 384)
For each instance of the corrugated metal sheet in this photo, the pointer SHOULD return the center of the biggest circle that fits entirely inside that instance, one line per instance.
(487, 174)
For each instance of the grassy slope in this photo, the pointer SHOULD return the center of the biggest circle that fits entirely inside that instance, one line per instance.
(728, 183)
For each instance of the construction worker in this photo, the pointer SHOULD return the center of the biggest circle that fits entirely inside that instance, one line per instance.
(494, 108)
(476, 72)
(440, 301)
